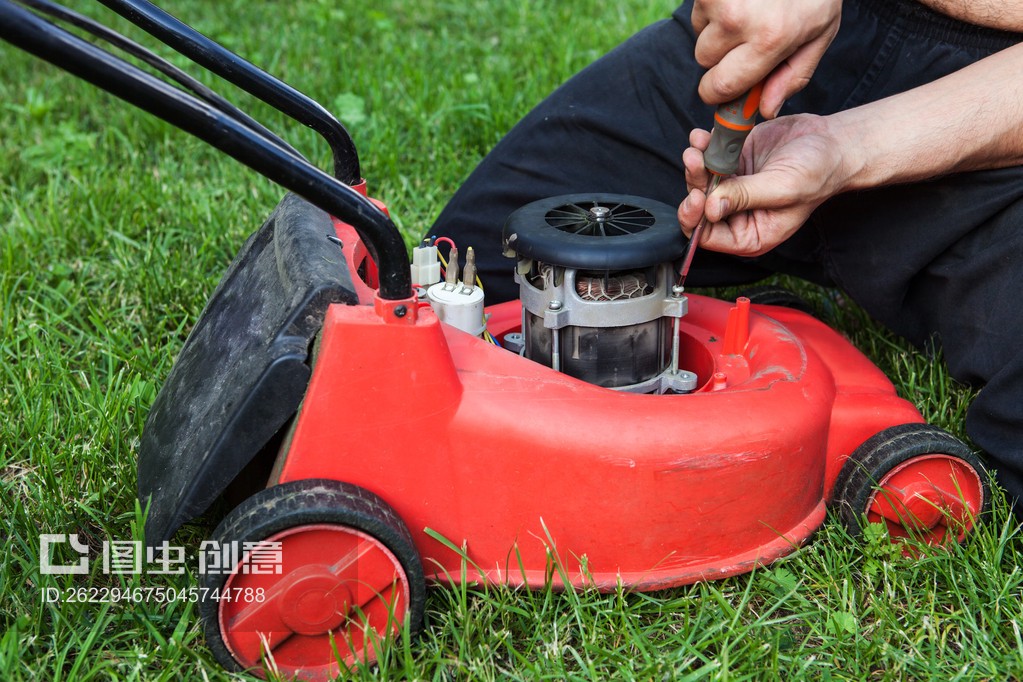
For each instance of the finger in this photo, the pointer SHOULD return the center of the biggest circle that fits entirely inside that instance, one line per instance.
(696, 171)
(716, 237)
(713, 44)
(690, 211)
(747, 193)
(777, 89)
(699, 17)
(736, 73)
(726, 197)
(699, 138)
(791, 76)
(738, 237)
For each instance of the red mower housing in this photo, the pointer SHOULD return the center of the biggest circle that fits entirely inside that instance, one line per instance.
(410, 450)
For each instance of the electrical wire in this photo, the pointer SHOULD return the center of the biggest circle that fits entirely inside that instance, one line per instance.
(447, 240)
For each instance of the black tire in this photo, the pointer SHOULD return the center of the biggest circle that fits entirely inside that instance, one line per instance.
(308, 502)
(771, 294)
(857, 485)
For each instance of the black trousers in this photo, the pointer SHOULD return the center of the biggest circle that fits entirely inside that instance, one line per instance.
(939, 261)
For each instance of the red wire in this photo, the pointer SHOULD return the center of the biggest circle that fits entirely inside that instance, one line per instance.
(450, 243)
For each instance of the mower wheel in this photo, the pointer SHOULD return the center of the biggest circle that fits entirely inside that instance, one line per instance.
(918, 480)
(312, 576)
(770, 294)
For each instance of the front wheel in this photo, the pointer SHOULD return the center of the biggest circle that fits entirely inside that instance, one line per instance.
(918, 480)
(310, 577)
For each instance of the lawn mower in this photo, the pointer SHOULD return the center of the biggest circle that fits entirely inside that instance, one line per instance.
(377, 426)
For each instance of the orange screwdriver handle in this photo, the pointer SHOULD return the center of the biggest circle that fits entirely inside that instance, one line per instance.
(732, 123)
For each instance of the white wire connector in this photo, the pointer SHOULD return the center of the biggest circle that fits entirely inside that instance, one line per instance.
(425, 266)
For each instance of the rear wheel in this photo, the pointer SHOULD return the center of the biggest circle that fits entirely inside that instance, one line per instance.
(918, 480)
(312, 576)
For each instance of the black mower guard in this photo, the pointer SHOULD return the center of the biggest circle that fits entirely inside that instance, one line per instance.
(244, 368)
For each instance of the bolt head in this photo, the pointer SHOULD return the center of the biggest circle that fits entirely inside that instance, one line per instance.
(554, 305)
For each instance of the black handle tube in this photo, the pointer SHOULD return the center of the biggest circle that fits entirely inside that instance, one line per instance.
(44, 40)
(162, 65)
(247, 76)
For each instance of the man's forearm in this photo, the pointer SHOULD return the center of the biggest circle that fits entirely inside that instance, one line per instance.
(969, 120)
(1007, 16)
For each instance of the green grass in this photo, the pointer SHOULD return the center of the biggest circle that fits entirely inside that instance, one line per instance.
(115, 229)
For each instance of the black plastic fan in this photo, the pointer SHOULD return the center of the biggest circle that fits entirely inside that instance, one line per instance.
(600, 218)
(600, 232)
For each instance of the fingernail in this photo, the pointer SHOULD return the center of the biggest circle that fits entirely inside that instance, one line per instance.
(723, 206)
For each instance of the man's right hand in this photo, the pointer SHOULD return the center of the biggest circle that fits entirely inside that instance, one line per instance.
(743, 42)
(788, 168)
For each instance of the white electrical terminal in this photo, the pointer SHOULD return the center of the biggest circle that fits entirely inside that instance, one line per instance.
(459, 304)
(425, 266)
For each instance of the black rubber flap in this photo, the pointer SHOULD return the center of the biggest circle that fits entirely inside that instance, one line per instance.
(595, 232)
(244, 369)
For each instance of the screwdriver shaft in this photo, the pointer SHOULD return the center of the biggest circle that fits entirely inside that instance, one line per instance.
(697, 233)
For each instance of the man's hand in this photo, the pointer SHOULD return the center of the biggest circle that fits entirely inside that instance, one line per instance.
(743, 42)
(968, 120)
(788, 167)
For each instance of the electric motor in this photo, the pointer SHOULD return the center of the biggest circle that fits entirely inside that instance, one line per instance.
(595, 274)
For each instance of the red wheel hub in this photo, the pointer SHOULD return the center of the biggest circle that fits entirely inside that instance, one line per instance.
(930, 497)
(317, 601)
(337, 590)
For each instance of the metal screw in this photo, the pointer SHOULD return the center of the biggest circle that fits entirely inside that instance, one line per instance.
(554, 305)
(399, 311)
(677, 291)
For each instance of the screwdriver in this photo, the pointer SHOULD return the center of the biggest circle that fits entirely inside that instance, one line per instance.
(732, 123)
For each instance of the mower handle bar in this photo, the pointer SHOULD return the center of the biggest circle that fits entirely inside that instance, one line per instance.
(36, 36)
(247, 76)
(157, 62)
